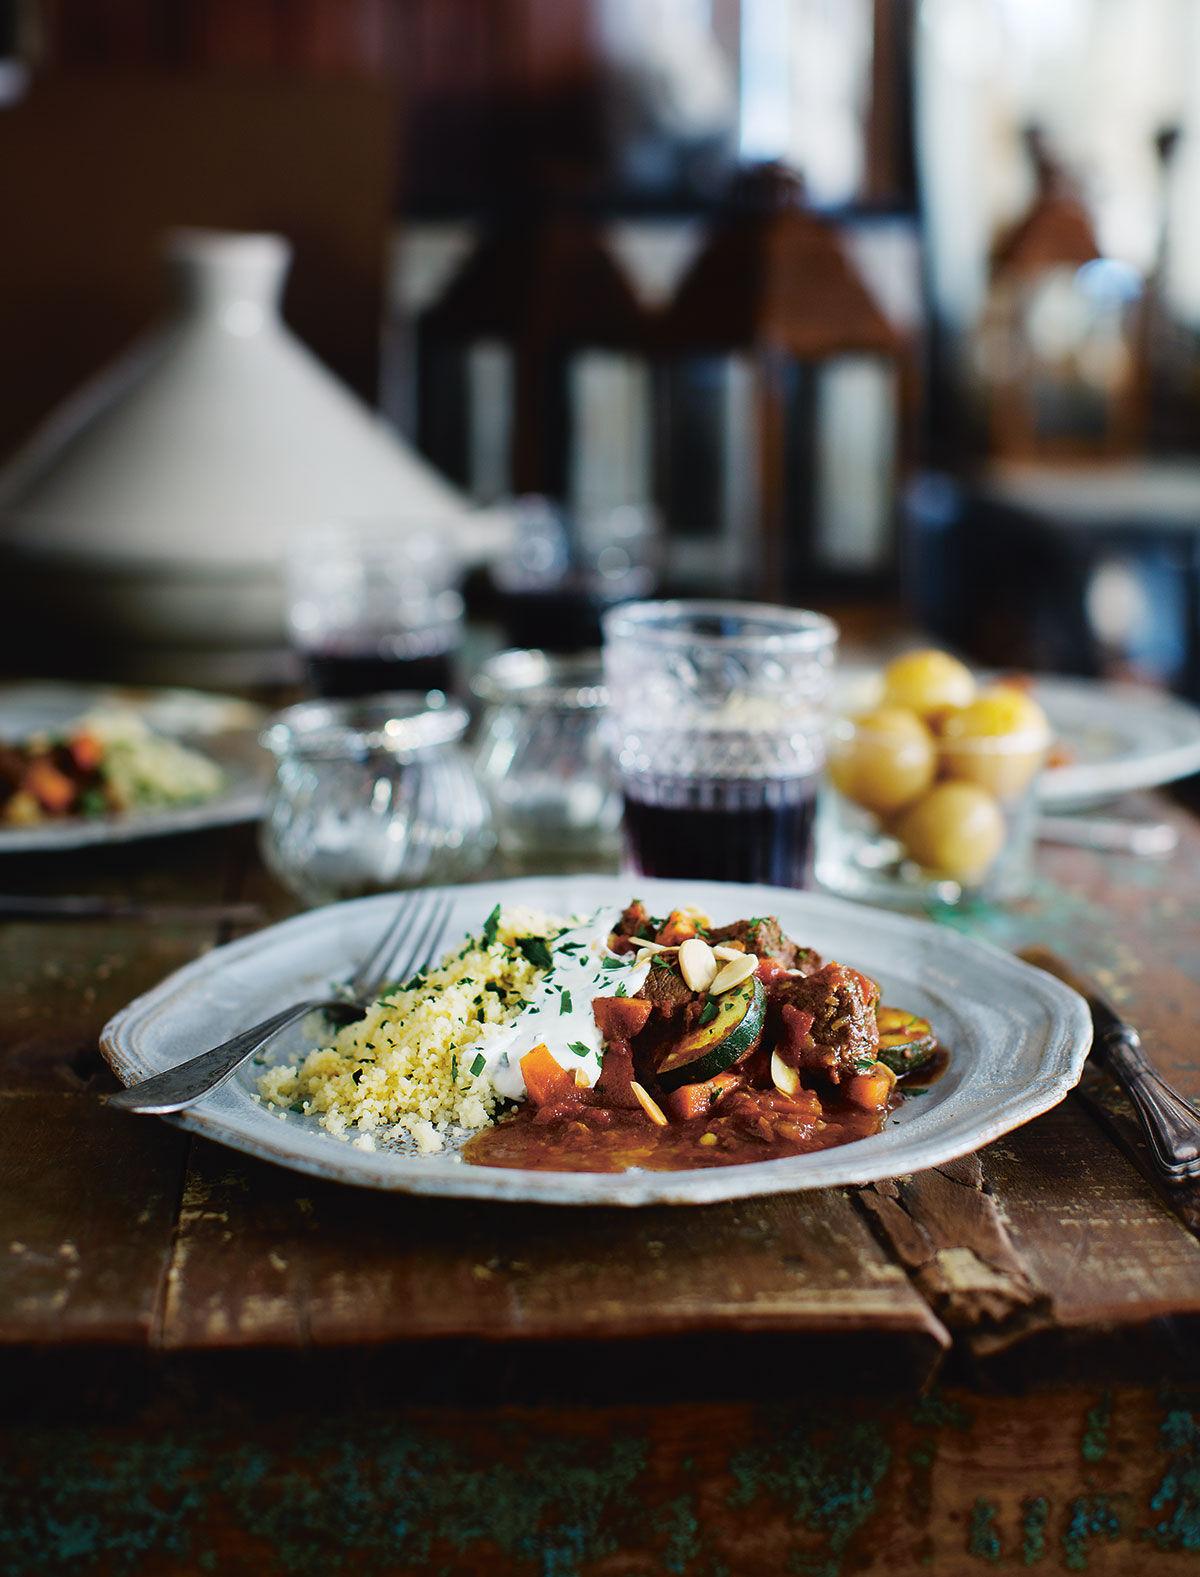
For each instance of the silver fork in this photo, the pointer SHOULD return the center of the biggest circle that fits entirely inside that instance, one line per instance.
(416, 927)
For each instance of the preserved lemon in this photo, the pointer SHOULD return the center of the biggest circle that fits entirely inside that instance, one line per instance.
(998, 741)
(956, 831)
(928, 683)
(887, 763)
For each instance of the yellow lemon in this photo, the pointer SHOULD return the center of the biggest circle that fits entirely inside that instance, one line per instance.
(956, 831)
(886, 761)
(928, 682)
(997, 741)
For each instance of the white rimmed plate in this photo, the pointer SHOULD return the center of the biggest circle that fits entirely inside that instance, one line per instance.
(223, 727)
(1017, 1038)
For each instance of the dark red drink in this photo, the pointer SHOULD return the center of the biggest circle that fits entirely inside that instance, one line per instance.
(729, 830)
(342, 671)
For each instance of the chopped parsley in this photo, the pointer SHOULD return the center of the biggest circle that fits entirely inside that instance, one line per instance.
(490, 926)
(536, 951)
(356, 1075)
(708, 1012)
(612, 963)
(578, 1047)
(453, 1068)
(863, 1067)
(570, 947)
(660, 961)
(479, 1064)
(564, 1005)
(621, 991)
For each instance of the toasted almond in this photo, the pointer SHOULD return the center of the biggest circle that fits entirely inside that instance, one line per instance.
(785, 1079)
(648, 1104)
(656, 947)
(643, 956)
(697, 963)
(737, 970)
(581, 1080)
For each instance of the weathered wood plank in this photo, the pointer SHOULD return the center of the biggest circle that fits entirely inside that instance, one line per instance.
(265, 1257)
(1049, 1230)
(288, 1482)
(90, 1200)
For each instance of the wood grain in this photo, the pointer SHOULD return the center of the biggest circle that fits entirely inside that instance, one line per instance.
(263, 1257)
(90, 1207)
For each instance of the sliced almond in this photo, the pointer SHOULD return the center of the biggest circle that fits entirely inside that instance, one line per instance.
(581, 1080)
(724, 951)
(648, 1104)
(737, 970)
(785, 1079)
(656, 947)
(642, 957)
(697, 963)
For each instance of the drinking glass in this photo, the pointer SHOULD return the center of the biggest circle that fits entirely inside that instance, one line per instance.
(718, 713)
(544, 758)
(564, 569)
(372, 795)
(372, 607)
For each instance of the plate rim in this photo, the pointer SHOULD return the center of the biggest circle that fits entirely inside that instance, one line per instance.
(1067, 1040)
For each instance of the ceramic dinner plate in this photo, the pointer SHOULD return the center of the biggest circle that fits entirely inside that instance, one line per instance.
(1119, 737)
(1114, 737)
(223, 727)
(1017, 1040)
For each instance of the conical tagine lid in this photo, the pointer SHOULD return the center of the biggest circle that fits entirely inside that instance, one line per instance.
(213, 439)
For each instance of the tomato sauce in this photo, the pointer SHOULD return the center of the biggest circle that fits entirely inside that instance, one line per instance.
(611, 1140)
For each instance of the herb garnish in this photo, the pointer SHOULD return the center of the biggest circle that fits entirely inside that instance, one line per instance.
(708, 1012)
(612, 963)
(564, 1005)
(490, 926)
(621, 991)
(578, 1047)
(536, 951)
(479, 1065)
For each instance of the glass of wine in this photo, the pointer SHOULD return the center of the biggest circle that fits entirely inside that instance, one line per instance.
(372, 608)
(718, 715)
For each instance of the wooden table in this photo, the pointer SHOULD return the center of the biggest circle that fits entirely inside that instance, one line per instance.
(211, 1365)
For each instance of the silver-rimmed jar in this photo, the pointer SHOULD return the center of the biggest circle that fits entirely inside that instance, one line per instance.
(372, 795)
(544, 758)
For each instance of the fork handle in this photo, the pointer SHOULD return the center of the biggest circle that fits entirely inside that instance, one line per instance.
(185, 1084)
(1172, 1124)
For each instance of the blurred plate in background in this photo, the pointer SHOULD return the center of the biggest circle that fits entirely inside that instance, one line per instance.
(223, 727)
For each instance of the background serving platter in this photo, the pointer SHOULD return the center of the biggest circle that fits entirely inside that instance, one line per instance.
(223, 727)
(1018, 1040)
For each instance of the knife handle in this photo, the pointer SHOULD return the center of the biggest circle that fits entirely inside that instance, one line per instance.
(1172, 1124)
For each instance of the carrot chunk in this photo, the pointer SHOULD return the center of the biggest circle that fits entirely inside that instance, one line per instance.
(545, 1080)
(697, 1100)
(871, 1091)
(52, 789)
(679, 928)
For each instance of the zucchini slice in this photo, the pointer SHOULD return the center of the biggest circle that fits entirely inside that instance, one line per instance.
(712, 1048)
(906, 1042)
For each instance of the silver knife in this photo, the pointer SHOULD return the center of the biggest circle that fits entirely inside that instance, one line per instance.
(1170, 1123)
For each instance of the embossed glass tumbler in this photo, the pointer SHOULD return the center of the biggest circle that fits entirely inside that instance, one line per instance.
(718, 712)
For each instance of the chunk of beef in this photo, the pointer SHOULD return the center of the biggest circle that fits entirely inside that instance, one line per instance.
(765, 937)
(667, 990)
(826, 1022)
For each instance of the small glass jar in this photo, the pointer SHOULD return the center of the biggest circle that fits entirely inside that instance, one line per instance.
(544, 759)
(912, 818)
(372, 795)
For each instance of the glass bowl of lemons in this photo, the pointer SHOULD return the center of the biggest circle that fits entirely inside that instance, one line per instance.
(930, 791)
